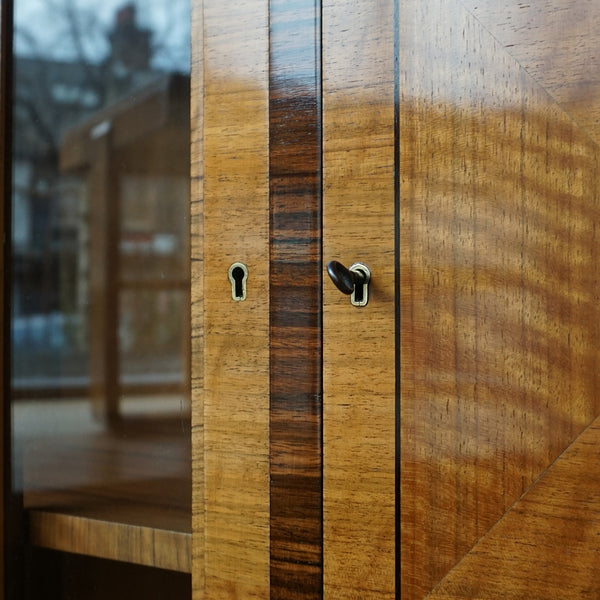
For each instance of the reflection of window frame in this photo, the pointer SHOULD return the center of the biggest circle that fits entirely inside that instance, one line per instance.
(127, 139)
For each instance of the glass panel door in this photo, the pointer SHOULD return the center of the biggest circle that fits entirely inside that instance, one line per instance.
(100, 278)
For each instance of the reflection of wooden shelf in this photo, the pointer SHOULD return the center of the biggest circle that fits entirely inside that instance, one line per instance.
(135, 157)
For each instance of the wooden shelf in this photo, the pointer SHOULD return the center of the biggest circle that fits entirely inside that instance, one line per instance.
(79, 534)
(117, 492)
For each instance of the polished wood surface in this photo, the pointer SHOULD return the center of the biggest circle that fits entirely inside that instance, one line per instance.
(236, 348)
(499, 313)
(197, 297)
(557, 43)
(359, 401)
(295, 300)
(546, 545)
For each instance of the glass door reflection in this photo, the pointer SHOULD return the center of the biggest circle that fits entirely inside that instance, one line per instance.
(100, 273)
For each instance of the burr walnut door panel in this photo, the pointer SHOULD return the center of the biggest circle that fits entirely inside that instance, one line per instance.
(460, 163)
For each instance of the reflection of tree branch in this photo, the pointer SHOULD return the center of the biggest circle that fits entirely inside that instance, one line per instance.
(162, 47)
(87, 35)
(36, 119)
(76, 34)
(29, 39)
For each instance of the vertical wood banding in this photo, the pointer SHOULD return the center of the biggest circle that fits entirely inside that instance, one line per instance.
(359, 399)
(236, 348)
(105, 209)
(295, 300)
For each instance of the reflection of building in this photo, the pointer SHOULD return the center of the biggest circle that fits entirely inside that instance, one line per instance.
(51, 96)
(131, 49)
(51, 207)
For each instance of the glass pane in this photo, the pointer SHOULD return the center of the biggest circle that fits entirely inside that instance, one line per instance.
(100, 260)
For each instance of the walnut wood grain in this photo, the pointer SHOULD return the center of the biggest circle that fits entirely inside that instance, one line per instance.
(236, 348)
(295, 300)
(359, 403)
(557, 42)
(545, 546)
(197, 299)
(107, 538)
(498, 229)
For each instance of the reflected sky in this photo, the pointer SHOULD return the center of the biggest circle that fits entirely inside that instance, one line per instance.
(69, 29)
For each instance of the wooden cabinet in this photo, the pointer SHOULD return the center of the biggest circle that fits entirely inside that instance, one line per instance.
(441, 440)
(455, 163)
(465, 177)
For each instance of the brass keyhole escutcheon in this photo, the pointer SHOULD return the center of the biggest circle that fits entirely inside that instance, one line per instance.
(238, 276)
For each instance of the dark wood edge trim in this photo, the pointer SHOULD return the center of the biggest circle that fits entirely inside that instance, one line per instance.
(4, 169)
(296, 494)
(12, 522)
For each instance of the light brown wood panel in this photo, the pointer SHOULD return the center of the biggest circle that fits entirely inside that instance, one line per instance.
(197, 297)
(558, 43)
(359, 343)
(105, 538)
(499, 311)
(236, 349)
(546, 546)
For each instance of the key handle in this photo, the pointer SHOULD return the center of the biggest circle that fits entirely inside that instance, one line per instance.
(353, 281)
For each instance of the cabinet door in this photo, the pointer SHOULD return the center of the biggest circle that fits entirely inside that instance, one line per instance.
(460, 405)
(235, 398)
(359, 343)
(95, 369)
(257, 434)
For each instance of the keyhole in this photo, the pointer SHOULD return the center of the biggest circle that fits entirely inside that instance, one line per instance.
(238, 282)
(360, 295)
(238, 275)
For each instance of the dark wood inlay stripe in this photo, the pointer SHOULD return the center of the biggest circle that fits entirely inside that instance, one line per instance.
(295, 301)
